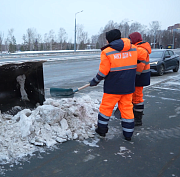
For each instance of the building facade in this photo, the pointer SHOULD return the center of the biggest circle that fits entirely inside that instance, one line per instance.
(174, 28)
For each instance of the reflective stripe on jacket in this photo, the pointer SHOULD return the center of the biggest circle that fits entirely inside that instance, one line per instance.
(143, 66)
(118, 67)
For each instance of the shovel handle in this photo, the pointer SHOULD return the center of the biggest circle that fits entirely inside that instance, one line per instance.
(87, 85)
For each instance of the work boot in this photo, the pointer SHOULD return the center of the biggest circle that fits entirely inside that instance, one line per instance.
(101, 131)
(138, 118)
(128, 138)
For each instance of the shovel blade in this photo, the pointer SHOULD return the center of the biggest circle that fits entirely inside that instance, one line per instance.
(61, 92)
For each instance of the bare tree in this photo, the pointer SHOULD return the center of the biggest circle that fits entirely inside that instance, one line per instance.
(82, 36)
(124, 28)
(30, 36)
(62, 37)
(24, 46)
(38, 42)
(79, 32)
(84, 40)
(154, 27)
(101, 38)
(70, 45)
(46, 42)
(137, 27)
(102, 33)
(11, 41)
(29, 39)
(51, 37)
(110, 25)
(1, 40)
(94, 42)
(33, 41)
(6, 45)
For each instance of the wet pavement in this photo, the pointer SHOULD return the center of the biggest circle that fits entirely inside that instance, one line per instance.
(153, 152)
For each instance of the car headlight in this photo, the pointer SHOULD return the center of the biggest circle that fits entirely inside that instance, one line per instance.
(154, 63)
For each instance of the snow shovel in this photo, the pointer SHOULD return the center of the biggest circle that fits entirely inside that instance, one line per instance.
(55, 92)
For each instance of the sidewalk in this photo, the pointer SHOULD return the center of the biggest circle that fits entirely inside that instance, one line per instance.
(153, 152)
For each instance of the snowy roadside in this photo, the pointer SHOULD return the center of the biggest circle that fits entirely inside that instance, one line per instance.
(49, 59)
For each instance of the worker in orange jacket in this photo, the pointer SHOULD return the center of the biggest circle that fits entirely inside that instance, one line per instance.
(142, 75)
(118, 70)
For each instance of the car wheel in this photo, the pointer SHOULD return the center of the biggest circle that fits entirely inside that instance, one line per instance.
(161, 70)
(176, 68)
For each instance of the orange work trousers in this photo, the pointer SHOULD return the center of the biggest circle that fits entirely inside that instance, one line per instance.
(124, 104)
(138, 95)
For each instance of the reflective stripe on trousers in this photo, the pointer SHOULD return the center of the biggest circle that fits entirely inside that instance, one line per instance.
(128, 127)
(139, 107)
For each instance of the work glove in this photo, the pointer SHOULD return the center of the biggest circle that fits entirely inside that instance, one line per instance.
(93, 82)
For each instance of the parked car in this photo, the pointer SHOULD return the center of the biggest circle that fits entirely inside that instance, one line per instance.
(162, 60)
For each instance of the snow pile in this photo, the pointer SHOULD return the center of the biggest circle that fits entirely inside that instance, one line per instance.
(56, 121)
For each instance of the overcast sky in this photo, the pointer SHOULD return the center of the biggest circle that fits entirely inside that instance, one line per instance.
(46, 15)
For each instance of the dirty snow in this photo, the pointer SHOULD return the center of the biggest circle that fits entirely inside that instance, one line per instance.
(21, 80)
(124, 152)
(93, 143)
(89, 157)
(55, 121)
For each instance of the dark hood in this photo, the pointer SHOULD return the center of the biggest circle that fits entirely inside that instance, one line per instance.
(117, 45)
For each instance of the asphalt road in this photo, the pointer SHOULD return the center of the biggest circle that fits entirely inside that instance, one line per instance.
(153, 152)
(78, 71)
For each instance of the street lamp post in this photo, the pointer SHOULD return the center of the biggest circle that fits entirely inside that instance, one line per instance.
(173, 39)
(75, 31)
(154, 39)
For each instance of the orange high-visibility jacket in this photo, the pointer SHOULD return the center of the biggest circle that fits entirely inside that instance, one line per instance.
(143, 67)
(118, 67)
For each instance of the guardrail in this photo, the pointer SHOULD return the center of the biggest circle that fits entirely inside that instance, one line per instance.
(53, 52)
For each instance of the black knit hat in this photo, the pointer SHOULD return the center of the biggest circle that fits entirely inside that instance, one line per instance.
(113, 35)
